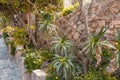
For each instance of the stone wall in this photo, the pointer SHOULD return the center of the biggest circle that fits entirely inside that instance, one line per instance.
(101, 13)
(35, 75)
(38, 75)
(21, 68)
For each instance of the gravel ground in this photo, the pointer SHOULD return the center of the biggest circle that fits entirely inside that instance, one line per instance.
(8, 67)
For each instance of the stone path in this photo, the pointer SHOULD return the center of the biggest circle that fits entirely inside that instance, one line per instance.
(8, 67)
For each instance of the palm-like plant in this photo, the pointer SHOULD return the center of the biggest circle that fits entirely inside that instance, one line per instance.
(64, 67)
(62, 46)
(47, 29)
(94, 45)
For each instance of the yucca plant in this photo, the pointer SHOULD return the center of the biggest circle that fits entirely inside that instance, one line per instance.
(47, 29)
(61, 46)
(94, 46)
(63, 63)
(64, 67)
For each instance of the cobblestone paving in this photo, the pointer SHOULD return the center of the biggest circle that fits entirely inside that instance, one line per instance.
(8, 67)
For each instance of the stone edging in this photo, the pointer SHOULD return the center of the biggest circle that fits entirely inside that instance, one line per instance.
(35, 75)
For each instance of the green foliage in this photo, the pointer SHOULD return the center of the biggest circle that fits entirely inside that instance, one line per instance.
(32, 61)
(62, 46)
(64, 67)
(5, 35)
(12, 46)
(96, 75)
(52, 75)
(69, 9)
(94, 48)
(57, 70)
(35, 58)
(63, 64)
(4, 1)
(107, 55)
(94, 45)
(19, 36)
(55, 5)
(47, 29)
(4, 20)
(13, 49)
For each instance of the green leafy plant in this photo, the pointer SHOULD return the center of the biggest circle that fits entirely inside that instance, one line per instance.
(64, 67)
(96, 75)
(35, 58)
(94, 49)
(52, 75)
(19, 36)
(62, 46)
(106, 55)
(56, 5)
(63, 63)
(47, 29)
(12, 46)
(5, 35)
(94, 45)
(32, 61)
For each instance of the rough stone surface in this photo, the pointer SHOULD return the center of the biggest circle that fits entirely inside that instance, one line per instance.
(38, 75)
(115, 8)
(76, 36)
(81, 27)
(101, 13)
(21, 68)
(35, 75)
(69, 30)
(8, 67)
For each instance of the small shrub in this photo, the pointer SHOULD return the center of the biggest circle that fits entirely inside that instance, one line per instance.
(47, 28)
(96, 75)
(8, 29)
(5, 35)
(94, 47)
(52, 74)
(35, 58)
(106, 57)
(62, 46)
(63, 64)
(19, 36)
(64, 67)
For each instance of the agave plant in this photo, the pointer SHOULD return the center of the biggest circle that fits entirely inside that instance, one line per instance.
(46, 26)
(64, 66)
(61, 46)
(47, 29)
(94, 45)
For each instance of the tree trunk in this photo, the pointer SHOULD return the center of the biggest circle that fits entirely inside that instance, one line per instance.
(26, 28)
(86, 22)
